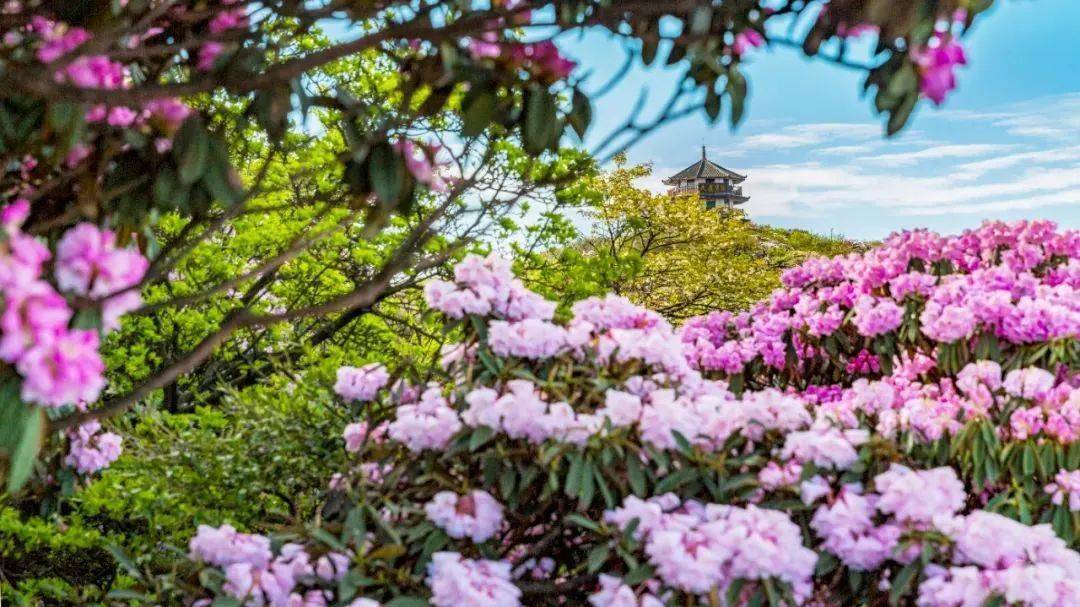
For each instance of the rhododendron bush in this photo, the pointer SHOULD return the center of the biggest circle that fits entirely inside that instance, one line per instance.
(119, 117)
(894, 427)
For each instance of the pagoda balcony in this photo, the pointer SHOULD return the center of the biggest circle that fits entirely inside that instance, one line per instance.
(708, 189)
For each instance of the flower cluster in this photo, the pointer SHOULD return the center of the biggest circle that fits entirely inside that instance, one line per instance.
(256, 576)
(1016, 282)
(703, 547)
(839, 431)
(361, 384)
(91, 449)
(60, 365)
(486, 286)
(475, 515)
(542, 58)
(459, 582)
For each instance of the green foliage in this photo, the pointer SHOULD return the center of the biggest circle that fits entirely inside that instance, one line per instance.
(51, 559)
(670, 254)
(238, 463)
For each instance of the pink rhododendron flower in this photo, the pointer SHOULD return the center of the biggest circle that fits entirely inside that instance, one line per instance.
(33, 314)
(622, 408)
(825, 446)
(874, 317)
(361, 384)
(66, 370)
(530, 338)
(94, 72)
(227, 20)
(332, 566)
(614, 593)
(461, 582)
(224, 546)
(418, 162)
(919, 496)
(57, 39)
(169, 112)
(1031, 383)
(92, 450)
(208, 54)
(475, 515)
(850, 533)
(936, 64)
(1065, 490)
(427, 424)
(483, 286)
(746, 40)
(89, 263)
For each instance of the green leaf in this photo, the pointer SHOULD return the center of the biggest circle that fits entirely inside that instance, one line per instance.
(583, 522)
(674, 481)
(541, 129)
(1028, 460)
(605, 491)
(387, 171)
(734, 591)
(580, 114)
(899, 115)
(388, 552)
(771, 593)
(219, 177)
(166, 187)
(328, 538)
(434, 542)
(598, 556)
(572, 485)
(131, 595)
(588, 485)
(191, 148)
(408, 601)
(480, 437)
(635, 475)
(713, 103)
(506, 482)
(737, 89)
(638, 575)
(21, 429)
(684, 445)
(479, 111)
(903, 582)
(123, 560)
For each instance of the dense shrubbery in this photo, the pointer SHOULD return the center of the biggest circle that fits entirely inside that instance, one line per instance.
(120, 127)
(894, 427)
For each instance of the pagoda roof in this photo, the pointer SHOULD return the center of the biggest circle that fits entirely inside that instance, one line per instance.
(704, 168)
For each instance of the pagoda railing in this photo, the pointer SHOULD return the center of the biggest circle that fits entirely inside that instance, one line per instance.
(712, 189)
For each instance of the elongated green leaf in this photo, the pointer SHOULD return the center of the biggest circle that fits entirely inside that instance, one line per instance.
(542, 128)
(191, 148)
(387, 173)
(407, 601)
(598, 556)
(480, 437)
(21, 429)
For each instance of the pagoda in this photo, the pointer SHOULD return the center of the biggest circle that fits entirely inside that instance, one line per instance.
(712, 182)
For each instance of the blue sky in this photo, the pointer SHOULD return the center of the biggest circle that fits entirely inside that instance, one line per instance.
(1006, 144)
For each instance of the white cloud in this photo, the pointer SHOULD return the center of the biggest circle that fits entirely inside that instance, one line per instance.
(809, 135)
(847, 150)
(1055, 117)
(937, 152)
(1023, 157)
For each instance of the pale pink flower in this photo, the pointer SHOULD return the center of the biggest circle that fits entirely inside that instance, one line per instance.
(476, 515)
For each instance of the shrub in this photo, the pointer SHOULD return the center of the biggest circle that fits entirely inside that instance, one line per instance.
(840, 444)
